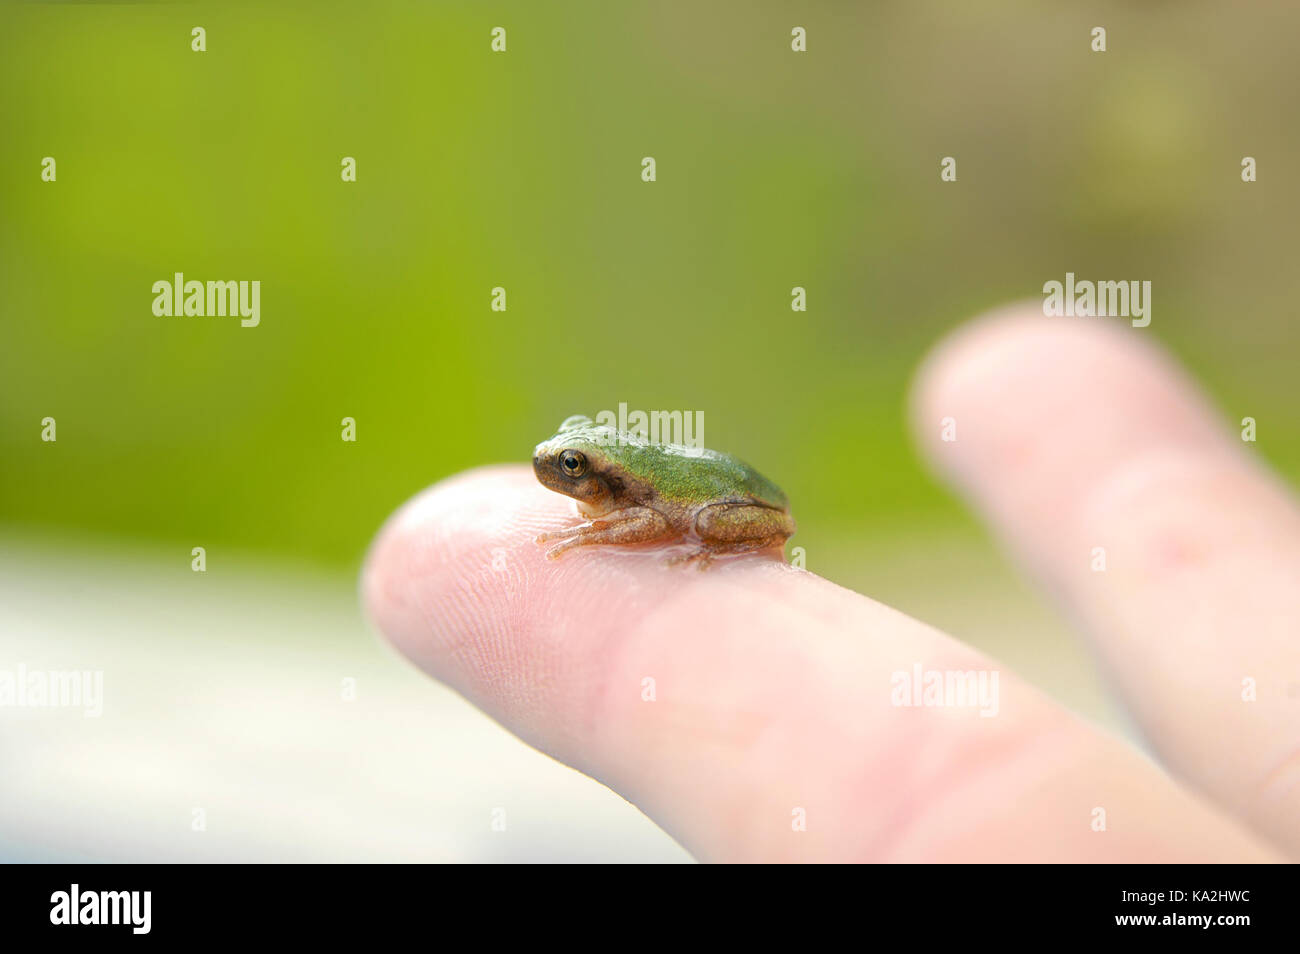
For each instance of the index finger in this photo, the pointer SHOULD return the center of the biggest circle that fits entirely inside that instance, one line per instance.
(750, 709)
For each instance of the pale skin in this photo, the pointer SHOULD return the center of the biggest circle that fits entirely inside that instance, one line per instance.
(772, 683)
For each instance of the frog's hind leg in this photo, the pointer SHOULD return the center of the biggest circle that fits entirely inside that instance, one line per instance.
(738, 528)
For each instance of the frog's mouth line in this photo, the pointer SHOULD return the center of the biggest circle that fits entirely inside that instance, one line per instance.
(550, 476)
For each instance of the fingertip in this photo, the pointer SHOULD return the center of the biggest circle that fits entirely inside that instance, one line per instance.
(457, 581)
(1024, 402)
(446, 560)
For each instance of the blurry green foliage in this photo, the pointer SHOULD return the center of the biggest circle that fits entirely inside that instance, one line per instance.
(522, 169)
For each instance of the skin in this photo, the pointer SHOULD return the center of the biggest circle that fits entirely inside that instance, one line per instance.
(636, 492)
(773, 684)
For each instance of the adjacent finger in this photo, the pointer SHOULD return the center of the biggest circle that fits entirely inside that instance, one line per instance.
(1110, 476)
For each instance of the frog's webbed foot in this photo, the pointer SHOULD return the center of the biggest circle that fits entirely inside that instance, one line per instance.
(547, 536)
(633, 525)
(553, 553)
(703, 556)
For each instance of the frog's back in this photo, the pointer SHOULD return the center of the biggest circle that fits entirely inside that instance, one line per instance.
(688, 474)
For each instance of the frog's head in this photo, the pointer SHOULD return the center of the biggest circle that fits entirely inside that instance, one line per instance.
(574, 463)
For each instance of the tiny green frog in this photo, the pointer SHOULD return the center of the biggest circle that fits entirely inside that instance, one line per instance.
(633, 491)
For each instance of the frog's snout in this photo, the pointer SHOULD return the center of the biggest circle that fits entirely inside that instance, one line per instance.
(543, 469)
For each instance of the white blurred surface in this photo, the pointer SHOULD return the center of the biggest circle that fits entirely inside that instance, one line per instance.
(223, 691)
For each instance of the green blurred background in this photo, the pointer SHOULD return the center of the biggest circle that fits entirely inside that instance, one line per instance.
(522, 169)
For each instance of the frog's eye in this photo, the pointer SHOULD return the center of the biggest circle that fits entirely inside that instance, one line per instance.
(573, 463)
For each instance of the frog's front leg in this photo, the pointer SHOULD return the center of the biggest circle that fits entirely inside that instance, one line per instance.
(632, 525)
